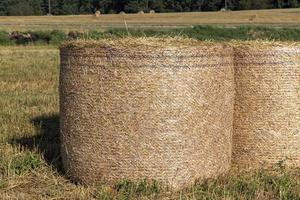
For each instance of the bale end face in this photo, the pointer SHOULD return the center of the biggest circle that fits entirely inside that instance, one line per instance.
(146, 108)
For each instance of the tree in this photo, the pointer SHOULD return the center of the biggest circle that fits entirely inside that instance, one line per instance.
(106, 6)
(23, 7)
(61, 7)
(70, 7)
(85, 6)
(213, 5)
(3, 7)
(292, 3)
(157, 5)
(133, 6)
(197, 5)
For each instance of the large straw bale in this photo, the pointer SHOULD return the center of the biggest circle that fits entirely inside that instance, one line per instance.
(97, 13)
(267, 105)
(146, 108)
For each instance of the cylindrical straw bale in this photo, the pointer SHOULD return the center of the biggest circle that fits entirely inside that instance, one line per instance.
(267, 105)
(97, 13)
(158, 109)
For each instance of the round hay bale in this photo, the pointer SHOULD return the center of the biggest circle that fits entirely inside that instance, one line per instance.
(152, 11)
(97, 13)
(146, 108)
(141, 12)
(267, 105)
(122, 13)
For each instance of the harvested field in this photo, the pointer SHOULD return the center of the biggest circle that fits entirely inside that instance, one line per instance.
(278, 17)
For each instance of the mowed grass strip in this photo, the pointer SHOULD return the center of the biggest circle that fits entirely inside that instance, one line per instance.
(276, 17)
(206, 32)
(30, 165)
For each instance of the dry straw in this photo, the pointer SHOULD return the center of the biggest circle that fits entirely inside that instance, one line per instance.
(267, 105)
(146, 108)
(97, 13)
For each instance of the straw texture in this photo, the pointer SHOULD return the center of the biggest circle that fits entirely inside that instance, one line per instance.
(267, 105)
(147, 108)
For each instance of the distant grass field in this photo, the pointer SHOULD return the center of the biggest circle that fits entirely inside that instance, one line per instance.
(203, 32)
(278, 17)
(30, 166)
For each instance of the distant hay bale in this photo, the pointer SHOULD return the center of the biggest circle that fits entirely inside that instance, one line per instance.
(141, 12)
(267, 105)
(146, 108)
(122, 13)
(253, 17)
(152, 11)
(97, 13)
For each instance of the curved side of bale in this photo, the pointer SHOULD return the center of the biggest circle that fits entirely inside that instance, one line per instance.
(267, 105)
(155, 109)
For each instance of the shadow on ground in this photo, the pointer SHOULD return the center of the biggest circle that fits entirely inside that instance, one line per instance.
(46, 140)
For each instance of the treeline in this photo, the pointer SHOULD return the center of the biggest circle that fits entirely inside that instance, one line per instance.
(66, 7)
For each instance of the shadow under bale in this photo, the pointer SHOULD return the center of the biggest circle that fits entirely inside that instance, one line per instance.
(46, 140)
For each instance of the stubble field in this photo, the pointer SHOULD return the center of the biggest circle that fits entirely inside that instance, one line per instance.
(277, 18)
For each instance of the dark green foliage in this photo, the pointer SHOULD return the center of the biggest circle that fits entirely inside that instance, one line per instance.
(4, 38)
(280, 184)
(21, 7)
(57, 37)
(49, 37)
(127, 189)
(32, 37)
(217, 33)
(96, 35)
(2, 183)
(267, 185)
(24, 162)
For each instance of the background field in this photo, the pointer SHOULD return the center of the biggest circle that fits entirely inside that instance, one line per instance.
(278, 18)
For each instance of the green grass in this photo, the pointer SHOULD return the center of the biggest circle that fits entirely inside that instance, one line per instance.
(217, 33)
(30, 164)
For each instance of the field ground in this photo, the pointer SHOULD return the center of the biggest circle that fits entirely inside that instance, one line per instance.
(30, 166)
(278, 17)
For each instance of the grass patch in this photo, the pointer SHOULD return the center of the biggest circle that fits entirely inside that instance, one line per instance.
(127, 189)
(217, 33)
(4, 38)
(24, 162)
(278, 185)
(252, 185)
